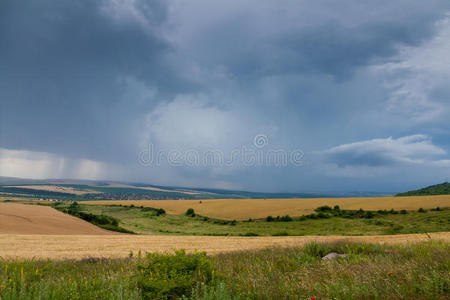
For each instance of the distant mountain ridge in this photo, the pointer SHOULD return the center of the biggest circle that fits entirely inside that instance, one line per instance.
(437, 189)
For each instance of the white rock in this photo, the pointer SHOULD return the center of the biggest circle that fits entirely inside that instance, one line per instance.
(333, 255)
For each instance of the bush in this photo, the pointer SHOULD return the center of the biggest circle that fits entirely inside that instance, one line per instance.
(403, 212)
(170, 276)
(250, 234)
(74, 205)
(285, 218)
(156, 211)
(421, 210)
(269, 219)
(281, 233)
(322, 215)
(323, 208)
(190, 212)
(369, 215)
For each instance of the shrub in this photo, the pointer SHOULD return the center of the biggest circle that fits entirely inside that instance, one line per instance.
(250, 234)
(403, 212)
(190, 212)
(269, 219)
(321, 215)
(281, 233)
(323, 208)
(170, 276)
(74, 205)
(369, 215)
(285, 218)
(156, 211)
(421, 210)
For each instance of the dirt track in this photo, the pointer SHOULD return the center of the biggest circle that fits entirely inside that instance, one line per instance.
(81, 246)
(34, 219)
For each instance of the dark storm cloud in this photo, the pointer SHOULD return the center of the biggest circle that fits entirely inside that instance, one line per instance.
(318, 37)
(64, 67)
(96, 80)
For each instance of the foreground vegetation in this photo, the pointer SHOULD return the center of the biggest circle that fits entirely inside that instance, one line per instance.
(367, 271)
(325, 221)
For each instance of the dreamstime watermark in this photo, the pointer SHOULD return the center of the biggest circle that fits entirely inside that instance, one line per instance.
(258, 155)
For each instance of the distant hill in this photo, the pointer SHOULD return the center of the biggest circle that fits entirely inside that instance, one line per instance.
(438, 189)
(78, 189)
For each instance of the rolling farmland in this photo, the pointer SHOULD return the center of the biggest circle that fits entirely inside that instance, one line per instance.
(241, 209)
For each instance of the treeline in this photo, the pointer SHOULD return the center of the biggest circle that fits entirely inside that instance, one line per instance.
(325, 212)
(102, 221)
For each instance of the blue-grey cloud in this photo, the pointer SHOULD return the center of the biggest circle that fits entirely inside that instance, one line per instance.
(385, 152)
(98, 80)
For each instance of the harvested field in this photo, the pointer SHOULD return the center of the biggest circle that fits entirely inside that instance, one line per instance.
(56, 188)
(240, 209)
(35, 219)
(113, 246)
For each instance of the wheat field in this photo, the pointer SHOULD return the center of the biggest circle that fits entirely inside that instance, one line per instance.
(36, 219)
(13, 246)
(240, 209)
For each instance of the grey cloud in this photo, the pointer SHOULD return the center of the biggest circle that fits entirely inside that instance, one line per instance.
(63, 76)
(321, 38)
(385, 152)
(94, 79)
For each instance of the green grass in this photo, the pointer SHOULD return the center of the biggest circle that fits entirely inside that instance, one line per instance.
(69, 279)
(141, 221)
(369, 271)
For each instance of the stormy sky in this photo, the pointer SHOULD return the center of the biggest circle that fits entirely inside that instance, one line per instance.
(292, 96)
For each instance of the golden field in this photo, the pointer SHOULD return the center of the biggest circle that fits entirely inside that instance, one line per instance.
(115, 246)
(240, 209)
(35, 219)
